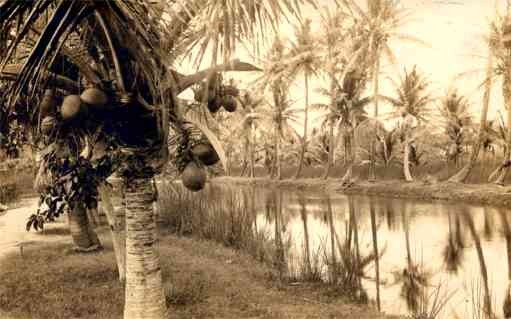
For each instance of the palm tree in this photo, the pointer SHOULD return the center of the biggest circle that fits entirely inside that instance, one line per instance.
(501, 50)
(412, 105)
(112, 199)
(345, 112)
(103, 28)
(379, 24)
(248, 118)
(464, 173)
(303, 59)
(275, 78)
(454, 110)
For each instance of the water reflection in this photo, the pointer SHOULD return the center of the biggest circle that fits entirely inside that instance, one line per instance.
(412, 256)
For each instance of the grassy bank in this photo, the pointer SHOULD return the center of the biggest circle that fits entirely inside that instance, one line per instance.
(489, 194)
(202, 279)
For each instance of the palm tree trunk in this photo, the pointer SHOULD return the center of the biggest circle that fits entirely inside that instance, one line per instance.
(277, 154)
(506, 90)
(376, 75)
(252, 160)
(144, 288)
(348, 147)
(376, 252)
(331, 151)
(112, 198)
(84, 236)
(464, 173)
(305, 124)
(482, 264)
(406, 161)
(331, 147)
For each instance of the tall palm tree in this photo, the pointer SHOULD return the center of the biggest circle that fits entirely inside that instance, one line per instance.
(462, 175)
(377, 26)
(303, 59)
(145, 60)
(502, 51)
(412, 106)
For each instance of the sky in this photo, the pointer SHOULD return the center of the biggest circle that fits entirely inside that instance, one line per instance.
(454, 31)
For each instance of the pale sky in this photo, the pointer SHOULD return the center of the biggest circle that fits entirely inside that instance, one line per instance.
(454, 30)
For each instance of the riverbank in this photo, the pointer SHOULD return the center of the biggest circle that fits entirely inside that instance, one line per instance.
(48, 279)
(483, 194)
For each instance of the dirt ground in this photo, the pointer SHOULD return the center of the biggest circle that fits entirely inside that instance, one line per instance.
(484, 194)
(202, 279)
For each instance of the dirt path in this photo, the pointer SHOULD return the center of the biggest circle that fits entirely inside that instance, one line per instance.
(14, 236)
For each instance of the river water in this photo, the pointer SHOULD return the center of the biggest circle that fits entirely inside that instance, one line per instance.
(426, 247)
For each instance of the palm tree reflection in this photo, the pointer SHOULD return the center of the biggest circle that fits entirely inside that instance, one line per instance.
(453, 251)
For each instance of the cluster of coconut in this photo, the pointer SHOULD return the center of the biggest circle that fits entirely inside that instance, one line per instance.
(72, 107)
(218, 96)
(192, 157)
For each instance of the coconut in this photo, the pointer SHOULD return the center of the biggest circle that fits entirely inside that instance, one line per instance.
(71, 107)
(94, 97)
(48, 103)
(215, 104)
(47, 124)
(205, 153)
(193, 177)
(229, 103)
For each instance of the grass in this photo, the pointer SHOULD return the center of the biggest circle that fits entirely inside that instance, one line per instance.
(202, 279)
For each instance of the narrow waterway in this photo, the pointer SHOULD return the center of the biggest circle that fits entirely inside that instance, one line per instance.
(428, 250)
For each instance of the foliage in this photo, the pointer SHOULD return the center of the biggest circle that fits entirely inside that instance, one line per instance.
(73, 180)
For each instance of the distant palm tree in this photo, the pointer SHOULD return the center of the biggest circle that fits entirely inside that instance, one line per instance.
(248, 117)
(455, 113)
(379, 24)
(412, 105)
(276, 79)
(345, 112)
(303, 59)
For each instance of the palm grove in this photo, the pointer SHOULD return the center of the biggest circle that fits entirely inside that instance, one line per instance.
(99, 102)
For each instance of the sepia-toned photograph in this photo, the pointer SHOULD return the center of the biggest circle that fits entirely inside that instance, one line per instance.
(255, 159)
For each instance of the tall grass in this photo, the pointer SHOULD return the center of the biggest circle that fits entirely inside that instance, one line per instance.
(231, 217)
(224, 218)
